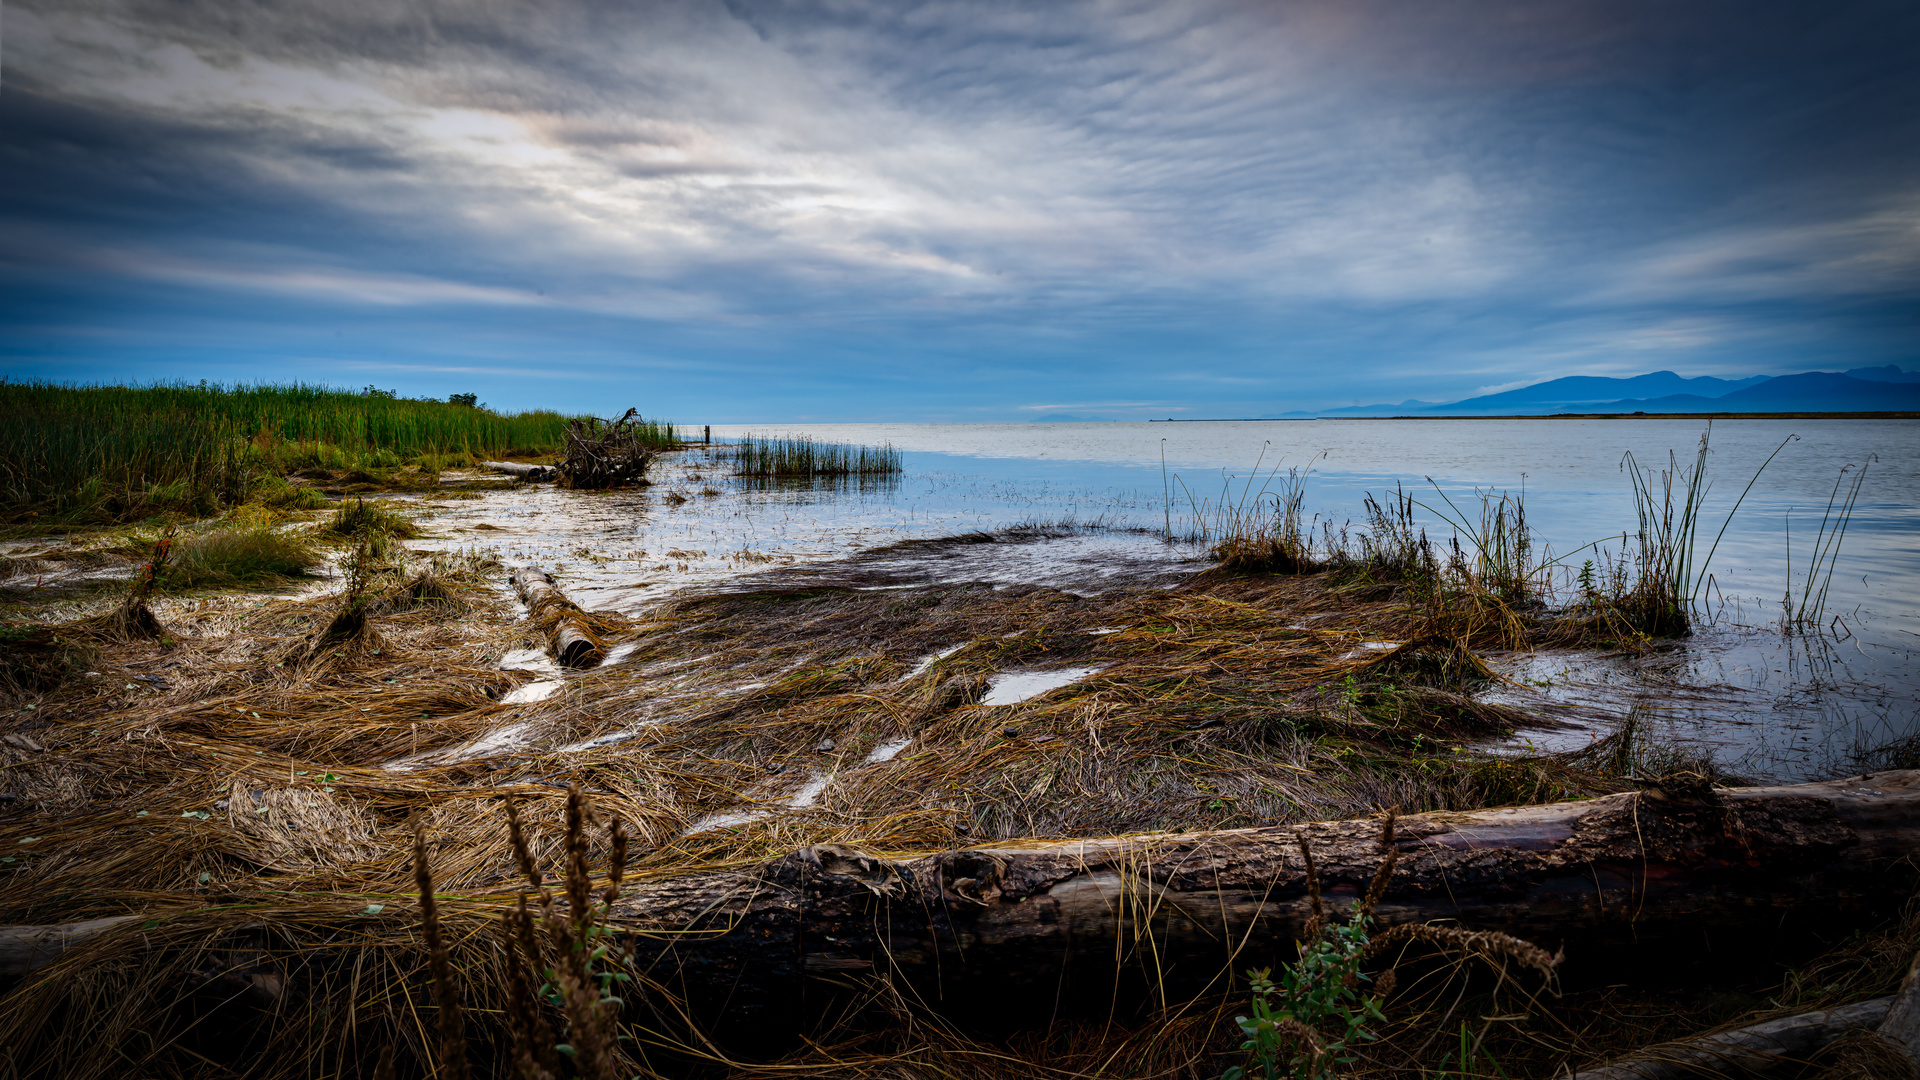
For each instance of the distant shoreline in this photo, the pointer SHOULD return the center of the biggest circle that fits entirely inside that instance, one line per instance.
(1559, 416)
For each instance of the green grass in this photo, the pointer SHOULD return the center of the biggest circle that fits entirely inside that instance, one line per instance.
(249, 554)
(72, 454)
(361, 518)
(757, 455)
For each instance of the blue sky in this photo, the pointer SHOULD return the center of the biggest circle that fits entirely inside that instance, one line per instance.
(845, 210)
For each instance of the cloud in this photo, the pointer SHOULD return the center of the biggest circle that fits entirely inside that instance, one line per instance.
(1305, 197)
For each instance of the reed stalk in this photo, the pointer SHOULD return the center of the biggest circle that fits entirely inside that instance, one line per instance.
(1808, 610)
(1667, 577)
(800, 456)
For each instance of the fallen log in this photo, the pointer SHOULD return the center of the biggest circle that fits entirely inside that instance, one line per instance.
(1625, 881)
(25, 949)
(1641, 881)
(569, 636)
(1902, 1025)
(536, 473)
(1757, 1050)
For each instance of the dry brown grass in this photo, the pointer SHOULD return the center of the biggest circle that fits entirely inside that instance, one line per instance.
(257, 804)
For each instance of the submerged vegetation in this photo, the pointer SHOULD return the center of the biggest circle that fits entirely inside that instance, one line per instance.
(800, 456)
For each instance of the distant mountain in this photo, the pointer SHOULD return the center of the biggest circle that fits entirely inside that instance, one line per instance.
(1556, 394)
(1887, 373)
(1878, 389)
(1812, 391)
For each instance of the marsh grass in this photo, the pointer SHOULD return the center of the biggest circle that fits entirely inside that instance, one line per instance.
(1486, 583)
(116, 453)
(1807, 610)
(800, 456)
(1657, 595)
(249, 554)
(361, 518)
(277, 856)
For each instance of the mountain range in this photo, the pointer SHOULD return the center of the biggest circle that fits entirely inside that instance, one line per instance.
(1875, 389)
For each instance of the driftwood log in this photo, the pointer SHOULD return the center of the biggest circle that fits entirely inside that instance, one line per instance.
(569, 636)
(1015, 933)
(29, 948)
(1757, 1050)
(1624, 884)
(1902, 1025)
(524, 472)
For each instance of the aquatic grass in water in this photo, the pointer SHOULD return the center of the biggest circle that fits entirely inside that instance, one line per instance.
(1666, 578)
(1807, 611)
(1258, 531)
(765, 456)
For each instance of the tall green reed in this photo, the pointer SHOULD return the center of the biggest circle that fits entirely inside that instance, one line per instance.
(114, 452)
(761, 455)
(1667, 577)
(1810, 607)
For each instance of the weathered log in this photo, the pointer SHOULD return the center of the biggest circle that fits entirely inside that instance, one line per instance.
(28, 948)
(1636, 881)
(1902, 1025)
(1757, 1050)
(1648, 878)
(525, 472)
(569, 637)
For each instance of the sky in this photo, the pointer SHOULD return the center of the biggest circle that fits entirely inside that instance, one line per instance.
(757, 210)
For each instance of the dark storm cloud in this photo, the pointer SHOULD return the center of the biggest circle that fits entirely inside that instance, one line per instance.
(965, 207)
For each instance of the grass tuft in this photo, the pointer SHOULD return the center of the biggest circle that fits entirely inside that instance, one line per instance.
(245, 555)
(361, 518)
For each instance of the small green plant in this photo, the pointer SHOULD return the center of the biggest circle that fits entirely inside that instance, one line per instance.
(1454, 1065)
(1305, 1025)
(1311, 1020)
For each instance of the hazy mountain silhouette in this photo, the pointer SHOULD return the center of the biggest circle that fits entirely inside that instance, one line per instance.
(1877, 389)
(1811, 391)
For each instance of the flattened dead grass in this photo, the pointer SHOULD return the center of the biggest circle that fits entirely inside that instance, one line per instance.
(260, 811)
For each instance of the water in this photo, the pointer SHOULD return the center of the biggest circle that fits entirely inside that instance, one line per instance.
(1013, 687)
(1770, 705)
